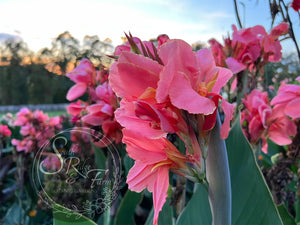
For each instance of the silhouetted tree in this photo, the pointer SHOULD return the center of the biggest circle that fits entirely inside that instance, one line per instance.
(65, 49)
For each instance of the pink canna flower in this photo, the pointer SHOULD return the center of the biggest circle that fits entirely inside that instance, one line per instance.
(264, 121)
(161, 39)
(149, 118)
(218, 52)
(105, 93)
(167, 90)
(51, 162)
(195, 78)
(250, 48)
(288, 100)
(4, 131)
(36, 129)
(84, 75)
(281, 130)
(127, 46)
(256, 114)
(75, 109)
(154, 159)
(22, 117)
(98, 113)
(271, 44)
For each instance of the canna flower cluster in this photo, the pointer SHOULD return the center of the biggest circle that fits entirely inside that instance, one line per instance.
(250, 48)
(275, 120)
(36, 129)
(4, 131)
(168, 89)
(98, 110)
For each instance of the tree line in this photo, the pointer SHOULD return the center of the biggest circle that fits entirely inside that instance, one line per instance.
(32, 78)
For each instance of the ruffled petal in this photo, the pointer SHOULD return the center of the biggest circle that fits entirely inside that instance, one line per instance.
(126, 116)
(149, 151)
(281, 130)
(133, 74)
(223, 76)
(183, 96)
(292, 109)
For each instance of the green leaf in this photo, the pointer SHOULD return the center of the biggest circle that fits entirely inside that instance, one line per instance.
(197, 210)
(15, 215)
(128, 163)
(125, 214)
(6, 150)
(285, 216)
(64, 216)
(252, 202)
(165, 215)
(100, 158)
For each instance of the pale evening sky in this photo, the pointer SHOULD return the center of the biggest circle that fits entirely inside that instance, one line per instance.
(39, 22)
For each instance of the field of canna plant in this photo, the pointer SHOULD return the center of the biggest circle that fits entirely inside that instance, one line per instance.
(165, 135)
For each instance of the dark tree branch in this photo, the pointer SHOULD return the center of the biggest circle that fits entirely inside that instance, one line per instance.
(237, 14)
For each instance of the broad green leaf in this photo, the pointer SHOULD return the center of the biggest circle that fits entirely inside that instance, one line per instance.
(197, 210)
(125, 214)
(165, 215)
(285, 216)
(64, 216)
(252, 202)
(100, 158)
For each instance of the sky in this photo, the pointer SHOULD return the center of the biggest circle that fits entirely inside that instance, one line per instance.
(39, 22)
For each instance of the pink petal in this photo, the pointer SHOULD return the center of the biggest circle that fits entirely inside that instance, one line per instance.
(164, 82)
(292, 109)
(228, 111)
(76, 91)
(210, 120)
(176, 55)
(282, 98)
(100, 108)
(83, 73)
(148, 151)
(160, 191)
(184, 97)
(223, 76)
(255, 128)
(75, 109)
(141, 176)
(161, 39)
(234, 65)
(234, 83)
(281, 130)
(133, 73)
(93, 119)
(279, 30)
(126, 116)
(207, 65)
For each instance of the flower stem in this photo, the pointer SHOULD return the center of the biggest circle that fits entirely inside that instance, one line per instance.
(218, 177)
